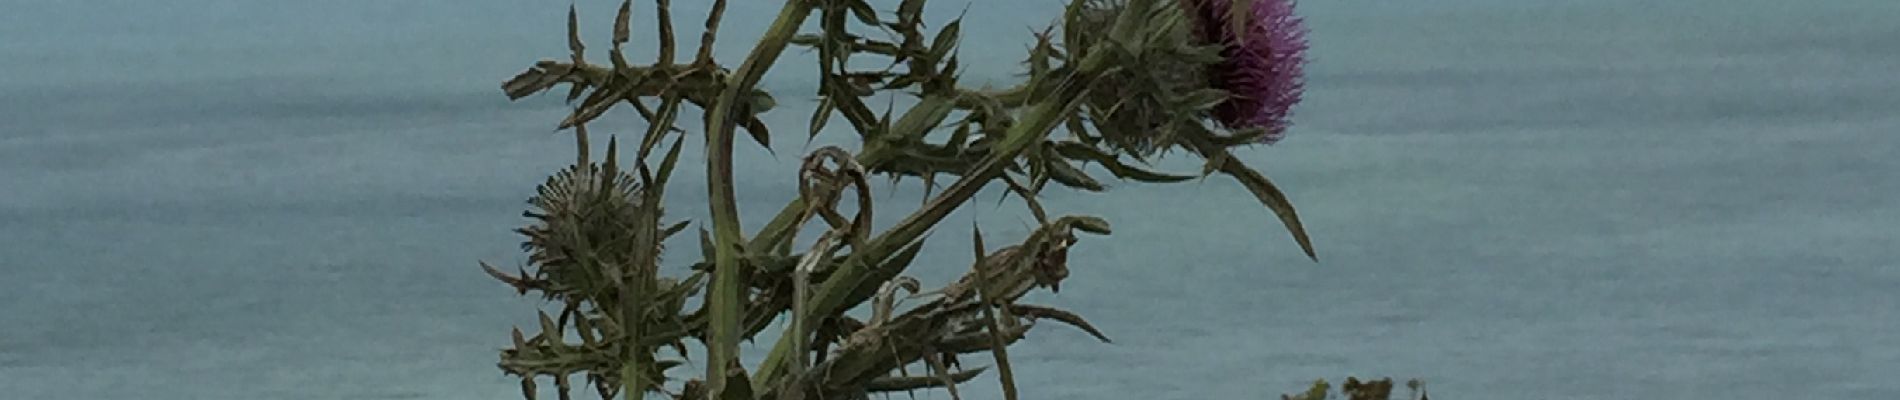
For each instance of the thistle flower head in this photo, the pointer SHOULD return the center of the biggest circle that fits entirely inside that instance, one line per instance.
(1236, 63)
(581, 218)
(1261, 61)
(1143, 105)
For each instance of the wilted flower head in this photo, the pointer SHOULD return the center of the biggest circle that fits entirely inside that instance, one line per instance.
(1261, 64)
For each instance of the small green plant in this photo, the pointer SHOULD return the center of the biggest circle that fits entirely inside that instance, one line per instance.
(1126, 81)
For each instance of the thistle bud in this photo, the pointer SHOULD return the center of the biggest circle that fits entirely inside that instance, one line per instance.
(1196, 61)
(580, 214)
(1136, 106)
(1262, 60)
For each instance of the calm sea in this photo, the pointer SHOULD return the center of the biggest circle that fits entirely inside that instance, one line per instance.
(1525, 199)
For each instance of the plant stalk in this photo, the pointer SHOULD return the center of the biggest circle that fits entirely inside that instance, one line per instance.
(1036, 124)
(726, 296)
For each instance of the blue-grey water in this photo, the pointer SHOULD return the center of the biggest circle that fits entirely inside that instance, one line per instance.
(1522, 199)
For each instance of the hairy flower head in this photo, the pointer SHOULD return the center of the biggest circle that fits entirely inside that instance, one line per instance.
(1261, 61)
(1236, 63)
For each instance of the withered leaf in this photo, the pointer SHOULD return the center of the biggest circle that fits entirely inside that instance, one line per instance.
(893, 384)
(574, 35)
(1064, 316)
(596, 104)
(1090, 224)
(621, 22)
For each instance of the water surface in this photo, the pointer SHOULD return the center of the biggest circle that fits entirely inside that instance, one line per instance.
(1512, 200)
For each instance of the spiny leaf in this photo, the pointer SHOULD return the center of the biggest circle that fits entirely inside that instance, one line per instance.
(892, 384)
(949, 73)
(1029, 199)
(910, 10)
(945, 40)
(760, 134)
(548, 329)
(1270, 195)
(1090, 224)
(667, 42)
(595, 105)
(884, 121)
(611, 167)
(674, 229)
(707, 36)
(586, 332)
(1070, 176)
(923, 116)
(667, 164)
(621, 22)
(904, 257)
(1039, 55)
(863, 12)
(960, 138)
(820, 117)
(976, 238)
(574, 35)
(1162, 28)
(706, 244)
(1205, 99)
(1079, 131)
(1215, 162)
(1079, 151)
(660, 124)
(1239, 137)
(1060, 315)
(1072, 26)
(574, 92)
(520, 341)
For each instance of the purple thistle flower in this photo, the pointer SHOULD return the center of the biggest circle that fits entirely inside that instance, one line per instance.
(1262, 69)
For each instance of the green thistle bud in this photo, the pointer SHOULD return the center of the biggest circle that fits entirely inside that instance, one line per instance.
(581, 229)
(1188, 70)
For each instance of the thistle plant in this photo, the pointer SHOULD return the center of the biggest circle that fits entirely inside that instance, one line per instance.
(1125, 81)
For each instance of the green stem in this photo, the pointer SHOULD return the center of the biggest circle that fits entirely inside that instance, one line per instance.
(1043, 118)
(726, 297)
